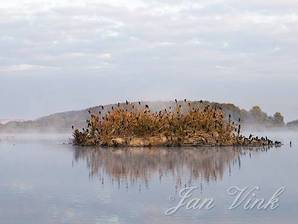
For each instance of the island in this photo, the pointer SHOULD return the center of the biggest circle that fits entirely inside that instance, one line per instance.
(183, 124)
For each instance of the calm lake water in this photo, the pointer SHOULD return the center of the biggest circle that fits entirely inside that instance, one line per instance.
(44, 181)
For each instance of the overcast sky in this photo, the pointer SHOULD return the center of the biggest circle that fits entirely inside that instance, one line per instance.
(59, 55)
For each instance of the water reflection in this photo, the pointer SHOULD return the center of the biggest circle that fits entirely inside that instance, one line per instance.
(185, 165)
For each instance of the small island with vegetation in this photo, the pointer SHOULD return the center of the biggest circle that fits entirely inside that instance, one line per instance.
(183, 124)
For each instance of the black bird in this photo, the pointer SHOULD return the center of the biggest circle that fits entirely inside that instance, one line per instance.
(290, 143)
(175, 100)
(239, 128)
(126, 102)
(146, 106)
(99, 112)
(118, 104)
(102, 107)
(72, 127)
(89, 111)
(184, 100)
(139, 103)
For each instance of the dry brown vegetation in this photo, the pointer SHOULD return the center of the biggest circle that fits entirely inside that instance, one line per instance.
(137, 125)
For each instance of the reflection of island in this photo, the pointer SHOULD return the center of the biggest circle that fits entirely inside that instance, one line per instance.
(185, 165)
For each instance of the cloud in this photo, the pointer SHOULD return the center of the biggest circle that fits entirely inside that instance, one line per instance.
(23, 67)
(57, 33)
(149, 41)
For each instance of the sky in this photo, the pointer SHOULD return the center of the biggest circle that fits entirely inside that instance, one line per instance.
(60, 55)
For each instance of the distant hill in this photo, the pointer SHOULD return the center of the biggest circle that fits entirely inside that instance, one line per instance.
(62, 122)
(293, 125)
